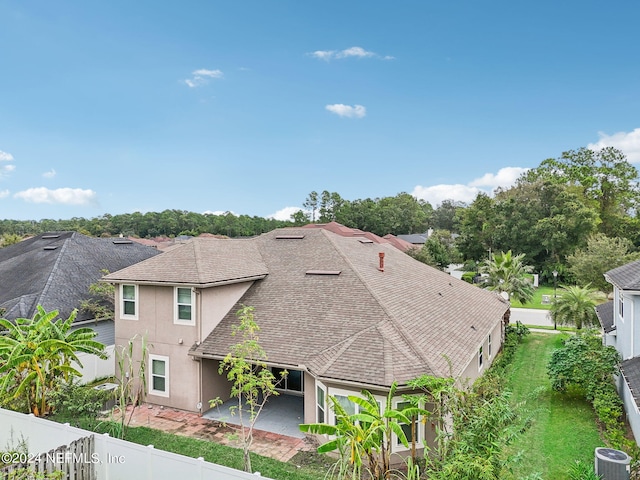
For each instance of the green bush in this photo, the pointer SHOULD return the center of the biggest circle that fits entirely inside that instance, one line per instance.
(468, 276)
(77, 401)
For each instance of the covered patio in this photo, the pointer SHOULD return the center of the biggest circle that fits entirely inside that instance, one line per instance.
(282, 415)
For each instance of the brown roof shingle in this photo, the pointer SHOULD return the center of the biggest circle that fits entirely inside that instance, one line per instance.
(199, 262)
(363, 325)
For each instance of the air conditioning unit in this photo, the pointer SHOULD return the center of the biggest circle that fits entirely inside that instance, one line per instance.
(612, 464)
(109, 387)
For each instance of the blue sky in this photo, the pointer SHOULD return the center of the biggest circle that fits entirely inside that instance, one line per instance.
(247, 106)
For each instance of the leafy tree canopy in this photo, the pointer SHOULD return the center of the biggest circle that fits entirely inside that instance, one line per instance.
(605, 176)
(601, 254)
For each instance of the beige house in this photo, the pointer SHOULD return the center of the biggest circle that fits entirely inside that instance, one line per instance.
(341, 314)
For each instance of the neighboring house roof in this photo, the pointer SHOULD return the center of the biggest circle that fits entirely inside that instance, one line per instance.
(56, 269)
(626, 277)
(414, 238)
(361, 325)
(631, 372)
(605, 315)
(201, 262)
(343, 231)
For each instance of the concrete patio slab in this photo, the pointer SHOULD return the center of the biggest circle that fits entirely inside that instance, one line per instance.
(282, 415)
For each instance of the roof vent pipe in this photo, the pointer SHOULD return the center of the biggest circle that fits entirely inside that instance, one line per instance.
(381, 256)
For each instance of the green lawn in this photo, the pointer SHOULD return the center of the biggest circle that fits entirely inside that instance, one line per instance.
(537, 298)
(563, 429)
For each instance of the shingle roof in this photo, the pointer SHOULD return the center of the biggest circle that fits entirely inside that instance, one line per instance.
(631, 372)
(605, 315)
(626, 277)
(344, 231)
(414, 238)
(362, 325)
(200, 262)
(56, 269)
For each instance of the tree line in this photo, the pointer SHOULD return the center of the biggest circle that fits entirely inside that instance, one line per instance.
(580, 205)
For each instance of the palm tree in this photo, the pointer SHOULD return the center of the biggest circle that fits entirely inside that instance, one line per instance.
(577, 307)
(36, 354)
(507, 273)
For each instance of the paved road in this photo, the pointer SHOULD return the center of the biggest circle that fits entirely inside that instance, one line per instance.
(530, 316)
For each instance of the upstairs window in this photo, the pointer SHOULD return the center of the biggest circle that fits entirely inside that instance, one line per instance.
(489, 346)
(129, 302)
(621, 305)
(480, 359)
(184, 306)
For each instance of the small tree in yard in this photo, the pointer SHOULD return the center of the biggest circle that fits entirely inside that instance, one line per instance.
(132, 380)
(508, 273)
(37, 354)
(577, 307)
(102, 302)
(252, 382)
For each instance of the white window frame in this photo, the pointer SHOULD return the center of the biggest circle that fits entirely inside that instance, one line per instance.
(489, 352)
(333, 392)
(480, 358)
(136, 301)
(621, 305)
(396, 446)
(176, 319)
(282, 383)
(323, 407)
(161, 358)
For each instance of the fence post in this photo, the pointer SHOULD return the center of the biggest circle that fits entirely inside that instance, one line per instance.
(150, 462)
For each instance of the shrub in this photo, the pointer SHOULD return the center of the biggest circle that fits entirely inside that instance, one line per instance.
(72, 400)
(468, 276)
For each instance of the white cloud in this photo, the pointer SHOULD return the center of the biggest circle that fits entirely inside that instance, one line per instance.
(351, 52)
(50, 174)
(627, 142)
(505, 177)
(355, 52)
(219, 212)
(284, 214)
(7, 168)
(323, 54)
(202, 77)
(356, 111)
(4, 193)
(64, 196)
(435, 194)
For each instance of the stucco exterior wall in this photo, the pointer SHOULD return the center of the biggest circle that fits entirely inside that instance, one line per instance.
(473, 370)
(216, 302)
(214, 385)
(155, 319)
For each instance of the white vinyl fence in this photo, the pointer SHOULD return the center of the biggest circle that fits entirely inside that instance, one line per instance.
(114, 459)
(94, 367)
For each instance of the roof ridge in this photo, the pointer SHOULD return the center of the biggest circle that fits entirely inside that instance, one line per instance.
(49, 281)
(407, 338)
(347, 342)
(196, 257)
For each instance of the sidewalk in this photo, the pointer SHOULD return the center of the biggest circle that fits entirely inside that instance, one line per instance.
(178, 422)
